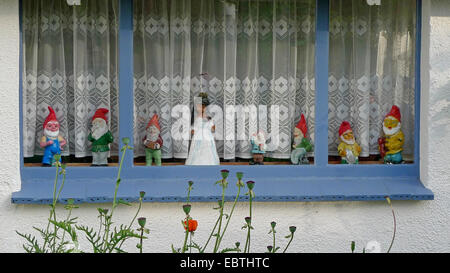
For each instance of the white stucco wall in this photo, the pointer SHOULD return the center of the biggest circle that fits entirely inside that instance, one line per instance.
(322, 227)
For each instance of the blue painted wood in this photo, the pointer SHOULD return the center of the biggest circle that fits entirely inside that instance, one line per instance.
(417, 84)
(126, 97)
(319, 182)
(20, 85)
(321, 67)
(38, 191)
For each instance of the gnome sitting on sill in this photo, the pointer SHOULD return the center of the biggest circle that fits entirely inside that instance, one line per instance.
(51, 141)
(348, 149)
(100, 137)
(301, 144)
(391, 145)
(153, 142)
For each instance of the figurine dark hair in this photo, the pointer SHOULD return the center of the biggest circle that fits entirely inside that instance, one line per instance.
(204, 96)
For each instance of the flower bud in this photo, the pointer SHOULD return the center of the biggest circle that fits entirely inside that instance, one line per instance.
(250, 185)
(273, 224)
(292, 229)
(190, 183)
(141, 194)
(248, 220)
(224, 173)
(125, 140)
(142, 221)
(187, 208)
(237, 244)
(239, 175)
(270, 248)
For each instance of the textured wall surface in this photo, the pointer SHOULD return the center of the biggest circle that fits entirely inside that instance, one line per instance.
(322, 227)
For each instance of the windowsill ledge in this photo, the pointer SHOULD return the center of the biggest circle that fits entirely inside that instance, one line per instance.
(270, 189)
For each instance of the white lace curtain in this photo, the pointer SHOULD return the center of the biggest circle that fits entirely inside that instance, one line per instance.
(254, 52)
(70, 63)
(372, 66)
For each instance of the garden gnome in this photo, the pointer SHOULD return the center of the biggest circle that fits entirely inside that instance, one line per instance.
(348, 149)
(100, 137)
(391, 145)
(301, 144)
(153, 142)
(258, 142)
(51, 141)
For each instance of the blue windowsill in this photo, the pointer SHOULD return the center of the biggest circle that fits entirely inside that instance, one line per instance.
(38, 189)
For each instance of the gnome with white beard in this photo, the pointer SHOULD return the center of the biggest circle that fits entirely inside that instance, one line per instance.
(348, 149)
(100, 137)
(258, 142)
(51, 141)
(153, 142)
(391, 145)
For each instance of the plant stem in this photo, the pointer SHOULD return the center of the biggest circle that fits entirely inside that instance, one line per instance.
(229, 217)
(186, 236)
(395, 228)
(247, 242)
(134, 218)
(210, 235)
(52, 207)
(220, 218)
(273, 248)
(292, 237)
(108, 219)
(140, 242)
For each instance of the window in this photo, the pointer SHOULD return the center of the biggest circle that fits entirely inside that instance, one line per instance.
(70, 58)
(319, 181)
(249, 57)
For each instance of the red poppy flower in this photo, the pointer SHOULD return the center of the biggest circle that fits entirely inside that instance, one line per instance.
(192, 225)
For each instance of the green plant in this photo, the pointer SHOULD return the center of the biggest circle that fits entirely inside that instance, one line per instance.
(106, 241)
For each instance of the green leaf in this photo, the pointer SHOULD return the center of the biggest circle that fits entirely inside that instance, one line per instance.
(123, 202)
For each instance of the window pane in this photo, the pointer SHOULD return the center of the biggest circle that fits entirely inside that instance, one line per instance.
(372, 68)
(248, 56)
(70, 64)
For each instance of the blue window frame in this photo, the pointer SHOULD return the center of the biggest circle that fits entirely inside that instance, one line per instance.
(318, 182)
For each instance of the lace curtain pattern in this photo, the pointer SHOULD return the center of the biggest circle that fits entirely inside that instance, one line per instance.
(371, 67)
(254, 53)
(70, 63)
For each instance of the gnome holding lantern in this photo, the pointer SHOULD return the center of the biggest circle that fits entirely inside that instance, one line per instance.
(348, 149)
(391, 145)
(51, 141)
(100, 137)
(258, 142)
(301, 144)
(153, 142)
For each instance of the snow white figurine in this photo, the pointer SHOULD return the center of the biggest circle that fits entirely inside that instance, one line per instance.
(203, 146)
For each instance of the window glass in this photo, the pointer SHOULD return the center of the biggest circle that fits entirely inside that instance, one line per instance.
(70, 58)
(249, 62)
(371, 81)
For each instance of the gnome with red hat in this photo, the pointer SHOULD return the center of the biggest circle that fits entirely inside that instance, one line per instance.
(51, 141)
(301, 144)
(348, 149)
(391, 145)
(100, 137)
(153, 142)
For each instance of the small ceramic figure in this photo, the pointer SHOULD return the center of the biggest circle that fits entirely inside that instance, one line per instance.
(203, 146)
(153, 142)
(391, 144)
(100, 137)
(51, 141)
(348, 149)
(301, 145)
(258, 142)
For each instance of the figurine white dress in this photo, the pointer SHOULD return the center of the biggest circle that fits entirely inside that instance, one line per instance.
(203, 147)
